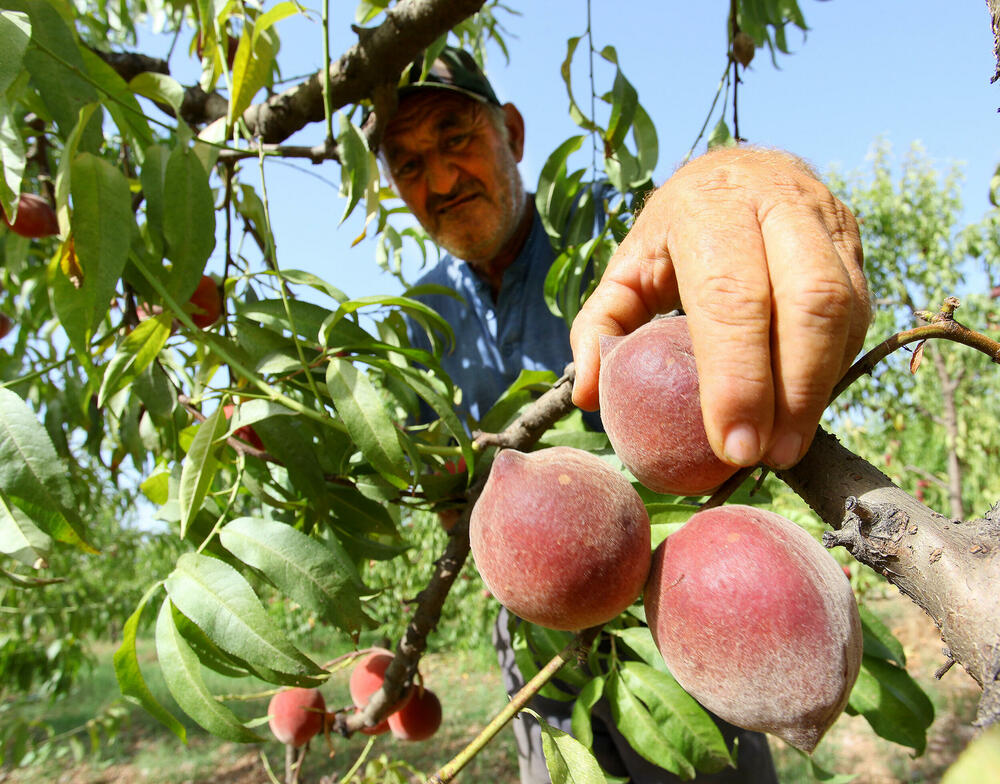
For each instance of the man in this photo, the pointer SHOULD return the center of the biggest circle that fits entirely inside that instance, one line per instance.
(764, 260)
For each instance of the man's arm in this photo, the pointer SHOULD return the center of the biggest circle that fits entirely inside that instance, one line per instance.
(767, 264)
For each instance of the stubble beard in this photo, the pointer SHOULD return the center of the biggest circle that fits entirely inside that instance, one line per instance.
(479, 244)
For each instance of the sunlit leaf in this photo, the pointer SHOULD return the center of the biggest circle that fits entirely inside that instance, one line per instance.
(129, 675)
(182, 674)
(221, 602)
(319, 577)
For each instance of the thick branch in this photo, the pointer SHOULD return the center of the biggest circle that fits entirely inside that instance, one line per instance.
(378, 58)
(950, 568)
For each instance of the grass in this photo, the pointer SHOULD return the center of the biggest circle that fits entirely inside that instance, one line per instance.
(470, 690)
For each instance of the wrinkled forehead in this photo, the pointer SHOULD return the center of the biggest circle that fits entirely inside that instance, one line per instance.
(424, 115)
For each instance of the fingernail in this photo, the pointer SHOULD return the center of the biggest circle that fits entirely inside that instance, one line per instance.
(742, 445)
(785, 452)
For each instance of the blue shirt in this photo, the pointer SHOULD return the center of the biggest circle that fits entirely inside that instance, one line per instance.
(495, 341)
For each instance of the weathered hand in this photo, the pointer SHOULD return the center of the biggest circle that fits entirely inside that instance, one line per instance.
(767, 264)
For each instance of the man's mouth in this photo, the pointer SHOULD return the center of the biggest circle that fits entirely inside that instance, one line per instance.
(459, 201)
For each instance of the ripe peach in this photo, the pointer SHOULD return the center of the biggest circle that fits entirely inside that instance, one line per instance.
(207, 301)
(295, 715)
(651, 411)
(419, 719)
(560, 538)
(367, 676)
(35, 217)
(756, 620)
(245, 433)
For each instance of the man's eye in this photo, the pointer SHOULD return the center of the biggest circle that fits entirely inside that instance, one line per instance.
(456, 141)
(405, 169)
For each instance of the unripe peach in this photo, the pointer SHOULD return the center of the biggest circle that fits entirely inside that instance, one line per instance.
(756, 620)
(560, 538)
(419, 719)
(35, 217)
(295, 715)
(651, 411)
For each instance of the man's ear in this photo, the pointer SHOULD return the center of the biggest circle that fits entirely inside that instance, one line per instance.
(514, 123)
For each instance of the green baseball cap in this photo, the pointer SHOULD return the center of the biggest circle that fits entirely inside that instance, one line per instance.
(453, 69)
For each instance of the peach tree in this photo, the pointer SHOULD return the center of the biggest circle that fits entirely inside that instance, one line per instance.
(279, 443)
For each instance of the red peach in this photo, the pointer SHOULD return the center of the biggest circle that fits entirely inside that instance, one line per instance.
(295, 715)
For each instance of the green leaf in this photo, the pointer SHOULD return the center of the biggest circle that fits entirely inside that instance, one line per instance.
(139, 348)
(12, 160)
(555, 193)
(358, 513)
(20, 538)
(274, 15)
(221, 602)
(642, 731)
(182, 674)
(209, 654)
(679, 717)
(624, 102)
(251, 69)
(129, 674)
(199, 467)
(892, 702)
(319, 577)
(120, 102)
(585, 701)
(355, 159)
(363, 413)
(720, 136)
(159, 88)
(15, 33)
(32, 476)
(879, 641)
(188, 220)
(568, 760)
(102, 226)
(56, 66)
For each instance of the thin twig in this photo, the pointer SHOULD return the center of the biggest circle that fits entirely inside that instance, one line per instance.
(520, 700)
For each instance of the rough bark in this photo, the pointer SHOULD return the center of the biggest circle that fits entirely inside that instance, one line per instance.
(377, 59)
(949, 567)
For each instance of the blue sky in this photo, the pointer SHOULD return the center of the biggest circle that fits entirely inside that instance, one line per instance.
(903, 70)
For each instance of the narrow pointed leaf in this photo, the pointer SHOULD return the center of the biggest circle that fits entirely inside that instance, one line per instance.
(188, 220)
(182, 674)
(31, 471)
(20, 538)
(364, 415)
(199, 467)
(642, 730)
(129, 675)
(217, 598)
(312, 573)
(680, 718)
(568, 760)
(101, 225)
(140, 347)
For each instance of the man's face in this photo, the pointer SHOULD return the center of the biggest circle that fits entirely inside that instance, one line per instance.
(457, 171)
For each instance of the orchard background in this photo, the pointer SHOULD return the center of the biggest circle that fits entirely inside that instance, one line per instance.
(137, 507)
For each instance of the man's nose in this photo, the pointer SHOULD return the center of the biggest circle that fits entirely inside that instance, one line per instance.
(442, 174)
